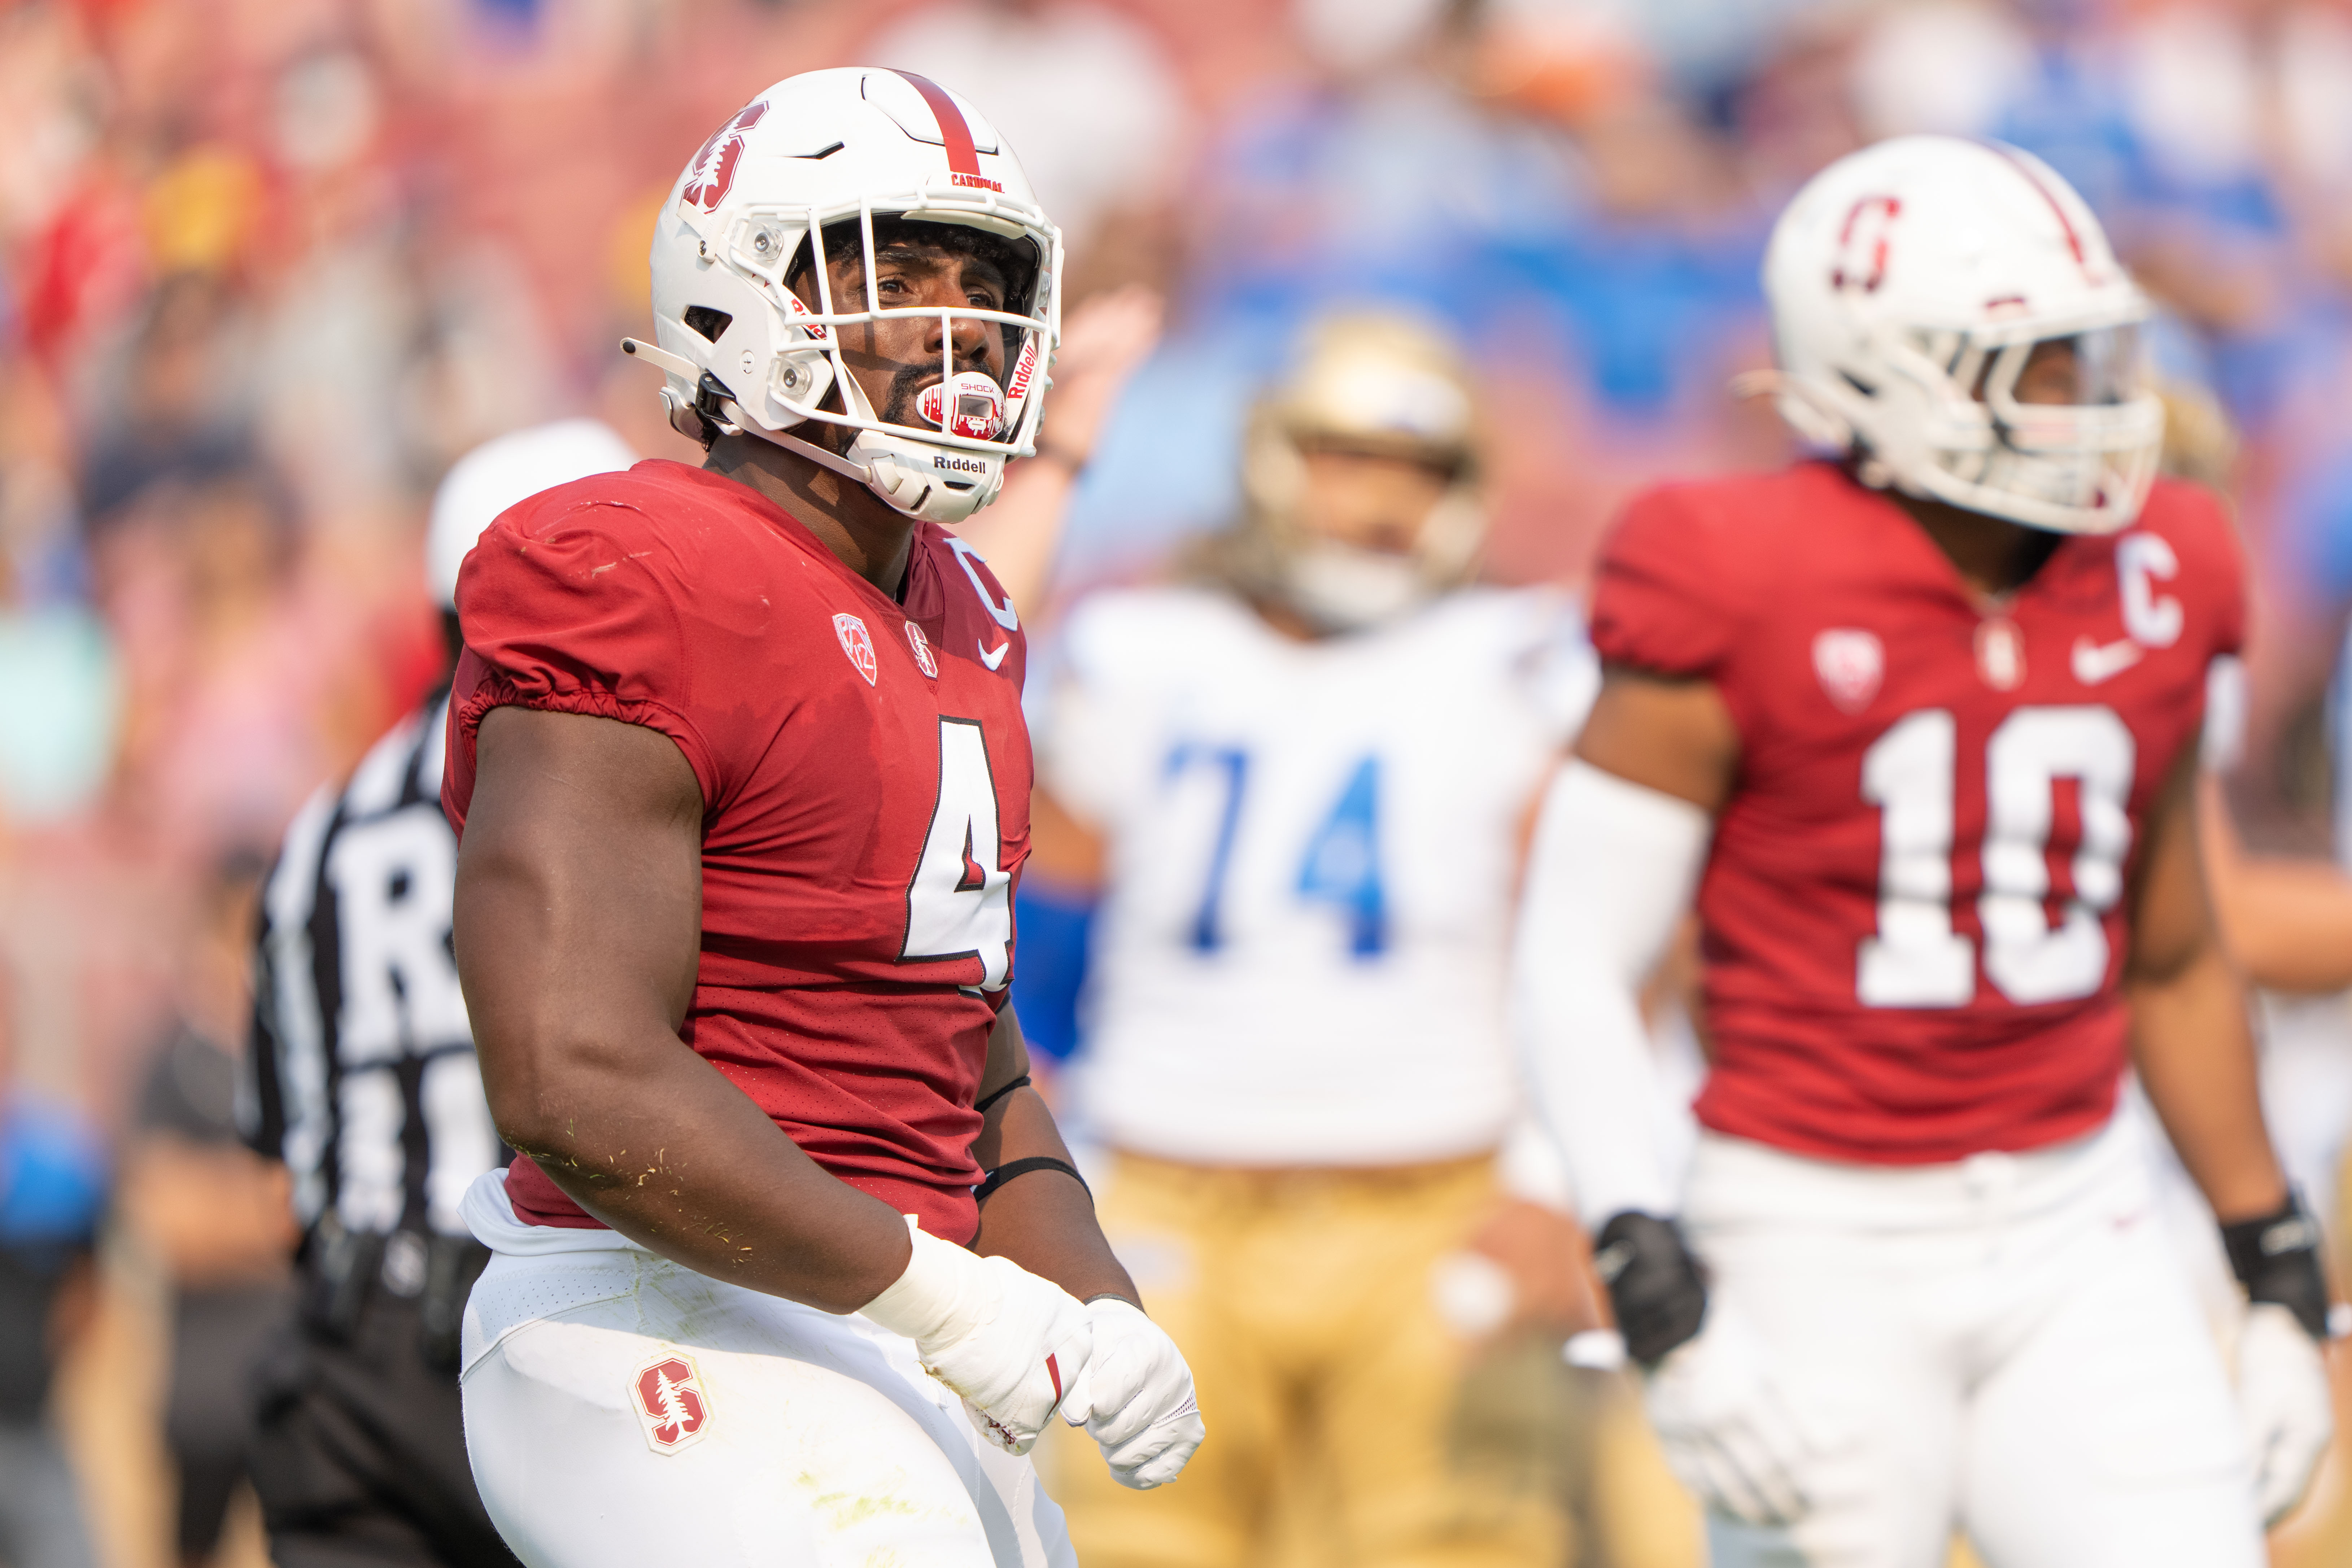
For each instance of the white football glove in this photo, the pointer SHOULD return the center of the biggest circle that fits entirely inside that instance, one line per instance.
(1725, 1429)
(2284, 1397)
(1135, 1397)
(1009, 1342)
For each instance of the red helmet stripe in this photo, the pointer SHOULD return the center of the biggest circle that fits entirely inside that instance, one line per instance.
(2058, 208)
(954, 135)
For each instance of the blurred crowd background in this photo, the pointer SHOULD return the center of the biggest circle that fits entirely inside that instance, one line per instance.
(267, 267)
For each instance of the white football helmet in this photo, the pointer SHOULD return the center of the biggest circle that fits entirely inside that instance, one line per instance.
(1909, 283)
(739, 351)
(1378, 382)
(505, 471)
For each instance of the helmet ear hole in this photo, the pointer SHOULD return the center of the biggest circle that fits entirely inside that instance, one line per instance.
(710, 323)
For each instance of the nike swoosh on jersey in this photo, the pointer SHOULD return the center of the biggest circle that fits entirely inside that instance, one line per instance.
(992, 660)
(2096, 662)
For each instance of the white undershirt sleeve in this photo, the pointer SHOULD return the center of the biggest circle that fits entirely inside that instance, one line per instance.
(1610, 873)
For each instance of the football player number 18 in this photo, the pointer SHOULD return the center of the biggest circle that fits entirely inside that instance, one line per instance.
(1916, 959)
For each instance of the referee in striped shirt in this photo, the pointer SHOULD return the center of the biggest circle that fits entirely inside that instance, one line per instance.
(361, 1078)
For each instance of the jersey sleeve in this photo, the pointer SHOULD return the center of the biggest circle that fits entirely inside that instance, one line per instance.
(2220, 564)
(572, 605)
(2209, 577)
(1561, 673)
(1089, 727)
(1662, 600)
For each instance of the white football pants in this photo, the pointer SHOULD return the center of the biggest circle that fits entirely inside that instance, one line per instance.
(623, 1410)
(2006, 1346)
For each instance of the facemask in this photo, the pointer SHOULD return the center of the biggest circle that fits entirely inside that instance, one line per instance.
(1341, 588)
(941, 484)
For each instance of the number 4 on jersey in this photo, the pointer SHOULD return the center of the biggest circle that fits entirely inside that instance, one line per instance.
(960, 901)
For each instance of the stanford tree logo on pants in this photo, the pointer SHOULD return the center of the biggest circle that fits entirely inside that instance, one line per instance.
(670, 1403)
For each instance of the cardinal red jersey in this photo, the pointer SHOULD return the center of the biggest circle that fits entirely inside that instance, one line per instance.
(865, 774)
(1914, 910)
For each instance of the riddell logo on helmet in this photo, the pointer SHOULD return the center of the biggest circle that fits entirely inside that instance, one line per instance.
(708, 178)
(975, 182)
(959, 465)
(1018, 387)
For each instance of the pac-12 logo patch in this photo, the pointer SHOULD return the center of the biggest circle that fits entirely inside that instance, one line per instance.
(670, 1403)
(1851, 664)
(857, 645)
(922, 647)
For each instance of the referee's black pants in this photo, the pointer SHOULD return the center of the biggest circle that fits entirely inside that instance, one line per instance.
(359, 1453)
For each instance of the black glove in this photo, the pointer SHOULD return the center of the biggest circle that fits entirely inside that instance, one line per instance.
(1655, 1287)
(2276, 1258)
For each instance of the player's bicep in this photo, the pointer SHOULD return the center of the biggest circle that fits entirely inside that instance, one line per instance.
(2171, 909)
(1671, 734)
(579, 896)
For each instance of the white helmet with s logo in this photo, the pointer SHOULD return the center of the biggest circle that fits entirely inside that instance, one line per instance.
(1909, 283)
(838, 149)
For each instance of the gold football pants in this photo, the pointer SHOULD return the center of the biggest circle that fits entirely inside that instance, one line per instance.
(1349, 1423)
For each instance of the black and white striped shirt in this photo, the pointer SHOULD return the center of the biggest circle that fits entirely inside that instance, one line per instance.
(361, 1074)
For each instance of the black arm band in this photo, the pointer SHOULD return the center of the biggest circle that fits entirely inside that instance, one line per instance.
(1007, 1172)
(1021, 1082)
(1655, 1286)
(2276, 1258)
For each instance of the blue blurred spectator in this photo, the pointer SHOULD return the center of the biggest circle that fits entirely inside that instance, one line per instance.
(52, 1192)
(1056, 926)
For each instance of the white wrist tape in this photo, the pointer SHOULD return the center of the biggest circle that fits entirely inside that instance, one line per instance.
(1008, 1341)
(936, 1297)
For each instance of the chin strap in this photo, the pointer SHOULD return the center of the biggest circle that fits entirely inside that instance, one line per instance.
(678, 366)
(692, 374)
(819, 455)
(716, 405)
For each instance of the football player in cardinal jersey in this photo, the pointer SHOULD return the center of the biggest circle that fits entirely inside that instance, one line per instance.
(1301, 780)
(1918, 721)
(737, 757)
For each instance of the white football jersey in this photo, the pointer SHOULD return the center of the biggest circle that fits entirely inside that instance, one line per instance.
(1313, 850)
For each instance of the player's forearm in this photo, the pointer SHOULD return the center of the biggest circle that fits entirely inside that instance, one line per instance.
(1044, 1221)
(1608, 876)
(652, 1140)
(2288, 923)
(2196, 1059)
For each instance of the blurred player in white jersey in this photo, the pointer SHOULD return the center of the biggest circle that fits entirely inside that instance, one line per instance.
(1301, 777)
